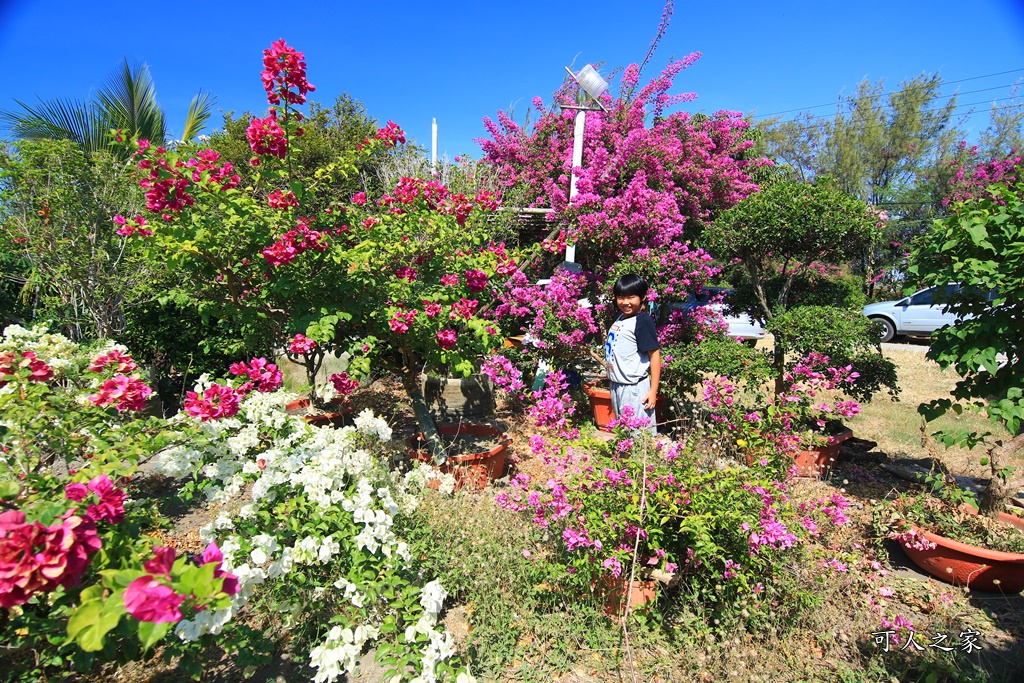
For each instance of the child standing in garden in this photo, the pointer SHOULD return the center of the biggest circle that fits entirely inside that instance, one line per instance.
(632, 353)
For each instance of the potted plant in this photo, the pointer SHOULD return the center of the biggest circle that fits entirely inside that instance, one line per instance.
(798, 429)
(947, 538)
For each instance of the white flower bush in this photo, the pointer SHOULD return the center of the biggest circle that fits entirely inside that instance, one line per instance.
(318, 531)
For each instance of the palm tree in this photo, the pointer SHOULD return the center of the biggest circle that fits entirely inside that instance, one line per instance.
(126, 102)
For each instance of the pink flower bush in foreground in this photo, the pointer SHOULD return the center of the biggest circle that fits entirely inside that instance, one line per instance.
(110, 507)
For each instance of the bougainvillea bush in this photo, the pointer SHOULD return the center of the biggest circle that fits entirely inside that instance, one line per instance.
(636, 508)
(84, 579)
(647, 179)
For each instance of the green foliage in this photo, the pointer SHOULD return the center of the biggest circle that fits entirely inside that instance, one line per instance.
(56, 206)
(785, 228)
(715, 354)
(846, 337)
(815, 286)
(981, 246)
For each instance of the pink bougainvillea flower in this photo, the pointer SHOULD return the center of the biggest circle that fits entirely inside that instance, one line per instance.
(39, 371)
(266, 137)
(121, 362)
(281, 200)
(230, 581)
(446, 339)
(449, 280)
(300, 343)
(126, 393)
(284, 68)
(162, 561)
(344, 384)
(359, 198)
(147, 599)
(266, 377)
(216, 402)
(391, 134)
(476, 280)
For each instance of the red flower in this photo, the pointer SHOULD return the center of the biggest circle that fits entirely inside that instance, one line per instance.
(282, 200)
(267, 137)
(266, 375)
(446, 339)
(284, 69)
(391, 134)
(123, 363)
(476, 280)
(35, 558)
(38, 370)
(344, 384)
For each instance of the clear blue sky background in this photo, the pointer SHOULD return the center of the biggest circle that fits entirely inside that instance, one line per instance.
(459, 61)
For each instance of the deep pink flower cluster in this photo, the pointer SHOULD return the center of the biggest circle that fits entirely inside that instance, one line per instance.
(295, 242)
(124, 392)
(637, 184)
(450, 280)
(36, 558)
(463, 309)
(278, 199)
(391, 134)
(344, 384)
(284, 68)
(119, 361)
(972, 176)
(127, 227)
(446, 339)
(914, 539)
(149, 598)
(406, 273)
(110, 507)
(266, 377)
(300, 344)
(167, 185)
(476, 281)
(504, 374)
(214, 403)
(39, 371)
(772, 533)
(267, 137)
(401, 321)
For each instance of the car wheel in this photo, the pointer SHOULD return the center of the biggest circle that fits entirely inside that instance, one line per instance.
(888, 329)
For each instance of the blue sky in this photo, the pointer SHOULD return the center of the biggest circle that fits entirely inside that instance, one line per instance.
(459, 61)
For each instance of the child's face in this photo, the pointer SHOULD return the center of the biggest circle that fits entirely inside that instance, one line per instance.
(628, 304)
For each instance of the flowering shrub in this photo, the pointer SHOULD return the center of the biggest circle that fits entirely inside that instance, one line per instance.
(639, 184)
(634, 506)
(318, 532)
(798, 417)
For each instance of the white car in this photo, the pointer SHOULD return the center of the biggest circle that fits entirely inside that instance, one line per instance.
(917, 315)
(741, 325)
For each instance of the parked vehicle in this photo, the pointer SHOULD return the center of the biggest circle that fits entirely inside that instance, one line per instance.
(741, 325)
(918, 315)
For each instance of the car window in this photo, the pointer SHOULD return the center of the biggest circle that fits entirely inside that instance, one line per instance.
(933, 295)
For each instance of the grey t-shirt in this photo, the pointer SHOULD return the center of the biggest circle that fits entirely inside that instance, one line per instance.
(627, 348)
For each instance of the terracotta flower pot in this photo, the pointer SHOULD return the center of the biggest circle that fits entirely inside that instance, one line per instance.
(334, 418)
(818, 461)
(601, 405)
(613, 593)
(471, 470)
(967, 565)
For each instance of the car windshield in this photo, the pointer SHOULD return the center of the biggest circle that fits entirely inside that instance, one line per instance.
(933, 295)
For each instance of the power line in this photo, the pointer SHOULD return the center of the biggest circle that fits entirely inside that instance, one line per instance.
(810, 119)
(832, 104)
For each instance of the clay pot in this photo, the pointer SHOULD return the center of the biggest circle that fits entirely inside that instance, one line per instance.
(818, 461)
(613, 593)
(471, 470)
(601, 405)
(335, 418)
(967, 565)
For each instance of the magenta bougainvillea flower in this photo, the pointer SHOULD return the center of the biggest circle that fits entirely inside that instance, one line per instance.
(36, 558)
(216, 402)
(110, 507)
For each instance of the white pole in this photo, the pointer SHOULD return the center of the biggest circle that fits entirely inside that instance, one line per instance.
(433, 146)
(577, 161)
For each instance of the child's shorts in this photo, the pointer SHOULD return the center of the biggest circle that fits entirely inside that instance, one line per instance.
(633, 395)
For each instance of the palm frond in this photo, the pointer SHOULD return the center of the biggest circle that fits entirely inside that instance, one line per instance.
(128, 100)
(199, 112)
(56, 120)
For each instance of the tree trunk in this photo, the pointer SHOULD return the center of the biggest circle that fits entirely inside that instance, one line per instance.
(411, 382)
(994, 497)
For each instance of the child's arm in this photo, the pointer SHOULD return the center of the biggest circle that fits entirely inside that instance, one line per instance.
(652, 395)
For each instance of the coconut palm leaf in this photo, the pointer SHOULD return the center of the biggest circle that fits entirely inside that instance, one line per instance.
(128, 102)
(199, 112)
(58, 119)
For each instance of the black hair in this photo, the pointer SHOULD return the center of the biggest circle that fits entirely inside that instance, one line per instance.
(631, 284)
